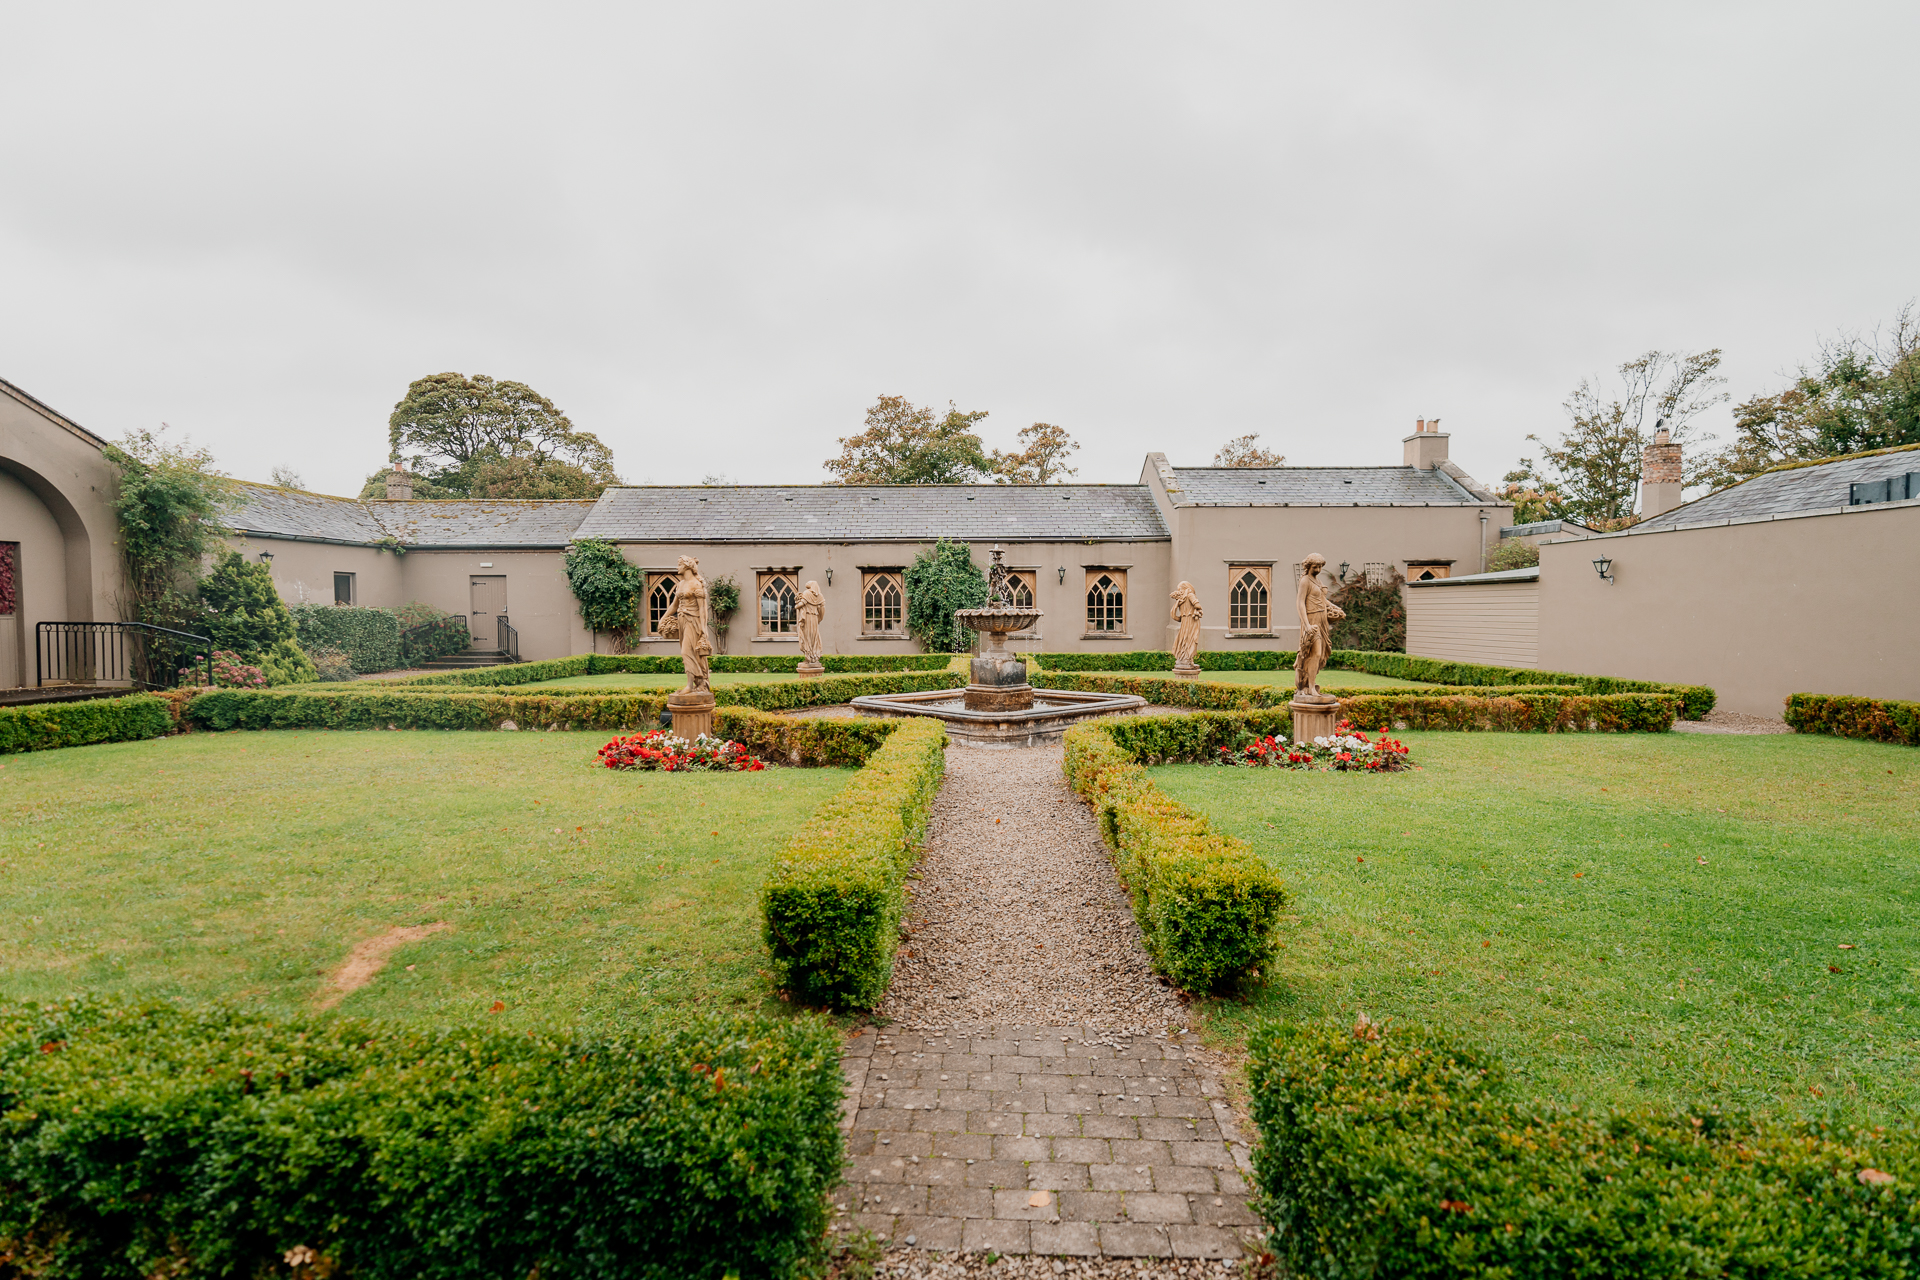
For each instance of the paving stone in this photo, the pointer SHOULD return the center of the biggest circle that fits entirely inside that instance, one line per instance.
(1155, 1206)
(1105, 1126)
(939, 1173)
(1134, 1240)
(1212, 1154)
(1120, 1177)
(1082, 1150)
(960, 1202)
(995, 1235)
(1183, 1178)
(1020, 1147)
(1140, 1152)
(1223, 1211)
(1015, 1203)
(963, 1146)
(965, 1099)
(1052, 1124)
(996, 1173)
(1090, 1206)
(881, 1224)
(1020, 1064)
(1176, 1129)
(1071, 1239)
(1056, 1175)
(995, 1122)
(1046, 1083)
(1202, 1242)
(1231, 1183)
(945, 1234)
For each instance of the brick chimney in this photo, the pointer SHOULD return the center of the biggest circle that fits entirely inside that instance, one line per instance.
(1427, 446)
(399, 483)
(1659, 474)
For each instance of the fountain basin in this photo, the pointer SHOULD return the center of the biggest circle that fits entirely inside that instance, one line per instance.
(1051, 713)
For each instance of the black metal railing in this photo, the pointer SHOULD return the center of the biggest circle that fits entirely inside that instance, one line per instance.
(508, 638)
(135, 654)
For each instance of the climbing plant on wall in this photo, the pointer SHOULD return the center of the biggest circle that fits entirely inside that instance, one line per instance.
(169, 502)
(607, 587)
(941, 579)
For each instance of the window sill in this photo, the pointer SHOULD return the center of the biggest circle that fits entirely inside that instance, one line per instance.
(775, 640)
(1106, 635)
(1252, 635)
(883, 635)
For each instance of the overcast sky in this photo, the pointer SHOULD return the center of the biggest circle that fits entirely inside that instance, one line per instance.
(713, 234)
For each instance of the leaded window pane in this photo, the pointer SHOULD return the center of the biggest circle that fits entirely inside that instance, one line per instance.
(1020, 587)
(883, 602)
(1247, 602)
(659, 601)
(1106, 603)
(779, 605)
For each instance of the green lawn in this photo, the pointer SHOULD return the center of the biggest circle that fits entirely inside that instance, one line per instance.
(1284, 678)
(247, 865)
(1623, 917)
(624, 680)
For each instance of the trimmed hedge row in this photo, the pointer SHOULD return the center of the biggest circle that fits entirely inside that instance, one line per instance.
(1875, 719)
(597, 664)
(75, 724)
(148, 1140)
(1207, 905)
(834, 899)
(1403, 1155)
(369, 637)
(1518, 713)
(1697, 699)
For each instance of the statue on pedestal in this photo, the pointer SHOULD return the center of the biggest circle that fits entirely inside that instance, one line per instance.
(692, 707)
(1186, 641)
(813, 608)
(1316, 637)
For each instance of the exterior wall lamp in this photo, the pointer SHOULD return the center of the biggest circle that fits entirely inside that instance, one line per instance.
(1063, 575)
(1603, 567)
(829, 575)
(266, 557)
(1344, 566)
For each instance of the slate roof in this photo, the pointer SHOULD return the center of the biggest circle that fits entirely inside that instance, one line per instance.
(1316, 487)
(877, 513)
(292, 513)
(1797, 489)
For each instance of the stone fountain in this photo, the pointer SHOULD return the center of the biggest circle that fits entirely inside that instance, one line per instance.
(998, 708)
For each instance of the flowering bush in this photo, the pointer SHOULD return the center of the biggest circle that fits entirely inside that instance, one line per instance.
(660, 749)
(1340, 751)
(230, 671)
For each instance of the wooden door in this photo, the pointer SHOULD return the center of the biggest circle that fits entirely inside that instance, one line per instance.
(489, 604)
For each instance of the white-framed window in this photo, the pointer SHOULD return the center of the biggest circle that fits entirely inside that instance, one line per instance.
(343, 588)
(779, 605)
(883, 602)
(1249, 591)
(660, 588)
(1106, 601)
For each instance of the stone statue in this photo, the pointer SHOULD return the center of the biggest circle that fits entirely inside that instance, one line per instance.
(1316, 645)
(690, 621)
(813, 607)
(1186, 643)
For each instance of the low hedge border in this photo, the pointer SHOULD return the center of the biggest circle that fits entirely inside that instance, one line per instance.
(369, 637)
(1875, 719)
(152, 1139)
(835, 896)
(1403, 1155)
(1528, 709)
(76, 724)
(1207, 905)
(1697, 700)
(598, 664)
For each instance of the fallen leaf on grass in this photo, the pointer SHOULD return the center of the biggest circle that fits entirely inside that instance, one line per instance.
(499, 1006)
(1874, 1177)
(1846, 946)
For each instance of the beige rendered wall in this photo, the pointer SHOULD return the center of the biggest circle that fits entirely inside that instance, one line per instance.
(1207, 540)
(1491, 622)
(55, 473)
(40, 577)
(303, 571)
(1062, 604)
(540, 604)
(1815, 604)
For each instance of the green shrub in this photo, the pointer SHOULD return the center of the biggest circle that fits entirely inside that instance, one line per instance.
(423, 639)
(1402, 1155)
(833, 901)
(75, 724)
(369, 637)
(287, 663)
(1517, 712)
(598, 664)
(244, 609)
(1513, 554)
(813, 741)
(1876, 719)
(1376, 614)
(607, 586)
(148, 1140)
(331, 664)
(941, 579)
(500, 677)
(1207, 905)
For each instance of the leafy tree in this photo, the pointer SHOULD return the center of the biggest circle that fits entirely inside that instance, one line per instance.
(907, 445)
(941, 579)
(723, 600)
(376, 486)
(244, 611)
(287, 478)
(169, 502)
(1376, 615)
(453, 425)
(1042, 461)
(526, 478)
(1530, 505)
(1513, 554)
(1594, 467)
(1860, 395)
(607, 586)
(1241, 451)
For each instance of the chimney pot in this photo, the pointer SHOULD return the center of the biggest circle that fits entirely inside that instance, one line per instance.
(1660, 475)
(399, 484)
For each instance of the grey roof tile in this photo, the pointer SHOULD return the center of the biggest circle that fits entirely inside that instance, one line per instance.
(876, 513)
(1316, 486)
(1784, 492)
(292, 513)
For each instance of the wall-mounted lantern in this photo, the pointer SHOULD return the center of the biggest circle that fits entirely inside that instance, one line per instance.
(1344, 566)
(266, 557)
(829, 575)
(1063, 575)
(1603, 566)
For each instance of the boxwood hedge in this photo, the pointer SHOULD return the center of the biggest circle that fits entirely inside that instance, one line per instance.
(1876, 719)
(75, 724)
(1206, 903)
(596, 664)
(369, 637)
(1402, 1154)
(150, 1139)
(833, 901)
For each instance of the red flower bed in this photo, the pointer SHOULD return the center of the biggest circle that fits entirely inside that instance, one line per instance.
(659, 749)
(1342, 751)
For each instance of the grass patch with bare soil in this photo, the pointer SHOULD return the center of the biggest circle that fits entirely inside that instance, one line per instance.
(275, 868)
(1632, 918)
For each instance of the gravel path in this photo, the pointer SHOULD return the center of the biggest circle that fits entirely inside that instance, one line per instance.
(1717, 721)
(1018, 916)
(917, 1264)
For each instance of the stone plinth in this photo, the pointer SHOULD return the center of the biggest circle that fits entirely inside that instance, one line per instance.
(692, 714)
(1313, 719)
(810, 670)
(1187, 673)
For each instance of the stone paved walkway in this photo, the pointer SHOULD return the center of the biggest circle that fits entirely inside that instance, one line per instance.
(970, 1129)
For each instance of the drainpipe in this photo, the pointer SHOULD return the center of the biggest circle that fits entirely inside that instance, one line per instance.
(1483, 542)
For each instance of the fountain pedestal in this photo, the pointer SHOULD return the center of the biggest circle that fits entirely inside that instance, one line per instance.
(999, 678)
